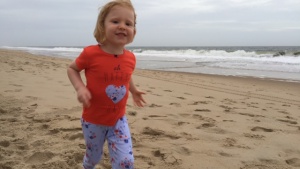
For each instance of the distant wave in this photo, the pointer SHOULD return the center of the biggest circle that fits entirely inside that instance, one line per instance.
(69, 49)
(69, 52)
(195, 53)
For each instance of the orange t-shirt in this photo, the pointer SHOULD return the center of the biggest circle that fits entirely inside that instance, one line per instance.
(107, 78)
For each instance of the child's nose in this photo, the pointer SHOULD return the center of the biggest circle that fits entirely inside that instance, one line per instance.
(121, 27)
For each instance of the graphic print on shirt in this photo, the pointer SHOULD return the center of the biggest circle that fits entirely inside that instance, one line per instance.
(115, 93)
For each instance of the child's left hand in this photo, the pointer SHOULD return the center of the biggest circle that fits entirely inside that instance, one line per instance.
(138, 98)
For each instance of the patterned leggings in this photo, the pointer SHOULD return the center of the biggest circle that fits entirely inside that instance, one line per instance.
(119, 144)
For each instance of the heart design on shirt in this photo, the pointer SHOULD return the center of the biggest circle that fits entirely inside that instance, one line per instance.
(115, 93)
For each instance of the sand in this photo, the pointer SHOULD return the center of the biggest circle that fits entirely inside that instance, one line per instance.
(191, 121)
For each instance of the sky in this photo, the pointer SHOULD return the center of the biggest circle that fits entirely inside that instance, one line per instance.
(159, 22)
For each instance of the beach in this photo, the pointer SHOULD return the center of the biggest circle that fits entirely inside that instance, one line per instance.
(191, 121)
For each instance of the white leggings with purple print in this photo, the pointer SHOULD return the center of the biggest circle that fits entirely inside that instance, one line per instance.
(119, 144)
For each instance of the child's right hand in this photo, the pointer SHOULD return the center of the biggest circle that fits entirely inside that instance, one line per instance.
(84, 96)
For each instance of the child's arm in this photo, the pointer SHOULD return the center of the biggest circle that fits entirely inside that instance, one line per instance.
(83, 94)
(136, 95)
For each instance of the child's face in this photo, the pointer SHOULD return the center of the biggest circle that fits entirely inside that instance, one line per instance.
(119, 26)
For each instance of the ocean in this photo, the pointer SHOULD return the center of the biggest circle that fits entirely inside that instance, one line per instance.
(274, 62)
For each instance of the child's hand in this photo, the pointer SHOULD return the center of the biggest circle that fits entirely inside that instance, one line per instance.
(84, 96)
(138, 98)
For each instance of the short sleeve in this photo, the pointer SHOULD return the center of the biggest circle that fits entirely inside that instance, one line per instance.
(133, 58)
(82, 60)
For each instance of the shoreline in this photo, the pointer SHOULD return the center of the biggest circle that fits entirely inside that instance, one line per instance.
(190, 119)
(227, 76)
(261, 74)
(200, 73)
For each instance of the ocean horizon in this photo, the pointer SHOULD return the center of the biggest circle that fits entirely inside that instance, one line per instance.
(273, 62)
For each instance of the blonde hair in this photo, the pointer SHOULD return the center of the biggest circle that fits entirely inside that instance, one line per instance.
(99, 32)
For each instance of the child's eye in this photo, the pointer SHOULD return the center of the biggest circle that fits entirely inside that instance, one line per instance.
(129, 24)
(115, 22)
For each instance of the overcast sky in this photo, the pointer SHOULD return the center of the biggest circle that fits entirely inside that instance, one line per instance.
(159, 22)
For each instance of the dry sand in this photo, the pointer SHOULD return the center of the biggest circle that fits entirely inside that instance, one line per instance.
(191, 121)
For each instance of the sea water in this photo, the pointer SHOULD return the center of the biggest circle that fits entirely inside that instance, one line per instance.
(276, 62)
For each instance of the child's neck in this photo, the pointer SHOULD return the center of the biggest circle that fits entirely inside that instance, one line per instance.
(115, 50)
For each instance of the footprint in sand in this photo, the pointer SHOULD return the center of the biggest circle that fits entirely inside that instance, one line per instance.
(251, 115)
(16, 85)
(156, 116)
(8, 91)
(153, 132)
(229, 121)
(41, 119)
(200, 102)
(22, 146)
(209, 97)
(283, 112)
(261, 129)
(155, 105)
(2, 111)
(76, 136)
(202, 110)
(183, 150)
(180, 123)
(32, 97)
(167, 158)
(184, 114)
(225, 154)
(205, 125)
(156, 95)
(4, 143)
(53, 131)
(157, 153)
(228, 101)
(287, 121)
(175, 104)
(227, 108)
(231, 142)
(289, 117)
(132, 113)
(40, 157)
(207, 119)
(254, 136)
(295, 162)
(264, 164)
